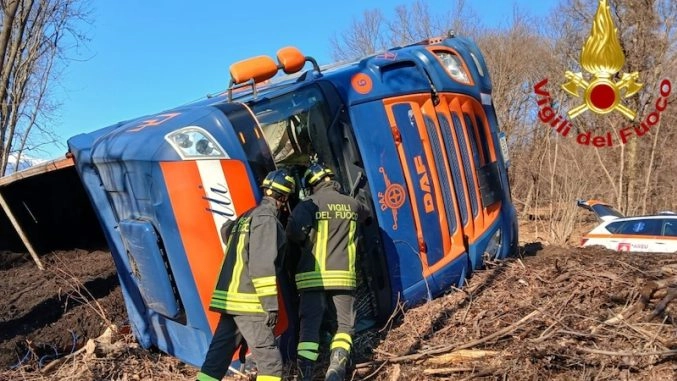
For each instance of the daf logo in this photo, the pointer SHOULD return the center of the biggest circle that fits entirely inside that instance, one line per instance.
(424, 184)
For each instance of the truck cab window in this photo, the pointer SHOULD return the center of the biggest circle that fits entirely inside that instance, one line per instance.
(291, 123)
(295, 126)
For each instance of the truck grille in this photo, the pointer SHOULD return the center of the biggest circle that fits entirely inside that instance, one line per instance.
(455, 167)
(461, 135)
(447, 193)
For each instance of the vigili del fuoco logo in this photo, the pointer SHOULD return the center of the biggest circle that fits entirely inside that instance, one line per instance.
(602, 57)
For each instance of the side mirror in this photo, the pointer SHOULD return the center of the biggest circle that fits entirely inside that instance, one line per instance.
(257, 69)
(291, 59)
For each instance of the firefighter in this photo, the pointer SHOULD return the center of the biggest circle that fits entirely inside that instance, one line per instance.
(246, 292)
(325, 227)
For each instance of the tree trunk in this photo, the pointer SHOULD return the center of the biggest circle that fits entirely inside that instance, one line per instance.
(631, 201)
(6, 32)
(649, 167)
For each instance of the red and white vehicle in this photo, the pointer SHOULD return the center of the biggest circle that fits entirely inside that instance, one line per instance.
(651, 234)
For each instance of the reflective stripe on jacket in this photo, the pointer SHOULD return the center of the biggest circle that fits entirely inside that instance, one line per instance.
(326, 226)
(247, 282)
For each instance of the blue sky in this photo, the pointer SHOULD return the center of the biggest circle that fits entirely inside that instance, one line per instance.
(145, 56)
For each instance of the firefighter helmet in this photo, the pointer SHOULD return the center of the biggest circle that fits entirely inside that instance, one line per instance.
(315, 173)
(279, 181)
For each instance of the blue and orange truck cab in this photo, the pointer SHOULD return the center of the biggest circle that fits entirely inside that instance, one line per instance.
(411, 131)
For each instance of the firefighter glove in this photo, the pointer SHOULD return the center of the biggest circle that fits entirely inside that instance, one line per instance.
(271, 319)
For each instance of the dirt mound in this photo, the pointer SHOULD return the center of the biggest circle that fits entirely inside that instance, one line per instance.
(554, 313)
(51, 313)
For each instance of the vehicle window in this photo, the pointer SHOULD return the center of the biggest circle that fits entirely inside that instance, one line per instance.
(670, 227)
(615, 227)
(641, 227)
(285, 122)
(295, 126)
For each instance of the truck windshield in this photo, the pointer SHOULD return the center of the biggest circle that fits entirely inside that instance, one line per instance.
(293, 125)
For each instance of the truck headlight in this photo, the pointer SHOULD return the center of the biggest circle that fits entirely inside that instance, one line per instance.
(454, 66)
(194, 142)
(494, 245)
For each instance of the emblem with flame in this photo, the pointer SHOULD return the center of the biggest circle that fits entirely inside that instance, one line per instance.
(602, 57)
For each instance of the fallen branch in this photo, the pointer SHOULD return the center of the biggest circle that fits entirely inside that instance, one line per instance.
(460, 355)
(629, 354)
(449, 348)
(372, 374)
(621, 316)
(444, 371)
(649, 291)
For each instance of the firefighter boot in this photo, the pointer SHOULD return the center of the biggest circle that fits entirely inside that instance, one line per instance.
(337, 365)
(305, 369)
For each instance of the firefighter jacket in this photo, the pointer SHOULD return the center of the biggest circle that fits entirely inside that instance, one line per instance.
(247, 282)
(325, 227)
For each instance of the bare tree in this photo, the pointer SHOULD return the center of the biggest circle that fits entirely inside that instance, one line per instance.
(519, 56)
(33, 47)
(374, 32)
(366, 37)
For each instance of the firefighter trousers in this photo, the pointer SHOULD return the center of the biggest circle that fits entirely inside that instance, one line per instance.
(229, 333)
(314, 307)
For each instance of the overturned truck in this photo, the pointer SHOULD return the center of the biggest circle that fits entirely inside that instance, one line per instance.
(411, 131)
